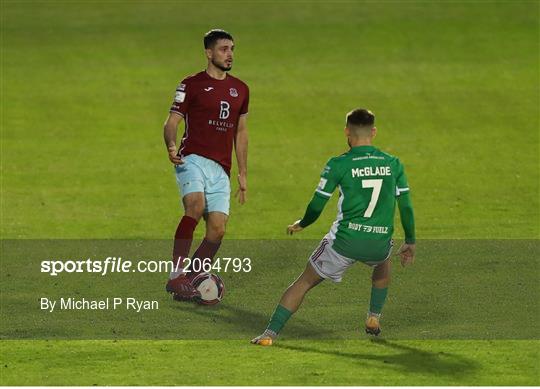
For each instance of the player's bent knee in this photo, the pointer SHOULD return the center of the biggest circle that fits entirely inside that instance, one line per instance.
(195, 212)
(215, 231)
(307, 281)
(381, 273)
(300, 286)
(194, 205)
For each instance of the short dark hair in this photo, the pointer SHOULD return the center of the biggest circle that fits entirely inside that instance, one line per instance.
(212, 36)
(360, 117)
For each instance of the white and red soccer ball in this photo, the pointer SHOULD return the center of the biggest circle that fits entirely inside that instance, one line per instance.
(211, 287)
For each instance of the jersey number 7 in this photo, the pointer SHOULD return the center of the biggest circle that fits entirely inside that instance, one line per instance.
(376, 185)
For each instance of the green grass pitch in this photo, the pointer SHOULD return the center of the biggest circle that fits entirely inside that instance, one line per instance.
(85, 89)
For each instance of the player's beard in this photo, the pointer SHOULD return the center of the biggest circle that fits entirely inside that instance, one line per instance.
(220, 66)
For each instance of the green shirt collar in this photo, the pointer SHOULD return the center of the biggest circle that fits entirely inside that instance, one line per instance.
(363, 149)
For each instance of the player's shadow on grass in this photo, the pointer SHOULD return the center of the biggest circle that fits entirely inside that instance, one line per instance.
(407, 358)
(250, 323)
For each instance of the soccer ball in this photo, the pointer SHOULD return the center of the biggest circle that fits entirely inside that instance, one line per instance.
(211, 287)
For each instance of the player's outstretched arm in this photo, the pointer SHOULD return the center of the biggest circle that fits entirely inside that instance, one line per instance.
(408, 249)
(313, 211)
(170, 130)
(241, 151)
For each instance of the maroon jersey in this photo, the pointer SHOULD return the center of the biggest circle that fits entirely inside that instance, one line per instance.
(211, 109)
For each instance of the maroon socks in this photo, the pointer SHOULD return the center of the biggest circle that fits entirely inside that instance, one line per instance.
(207, 249)
(182, 240)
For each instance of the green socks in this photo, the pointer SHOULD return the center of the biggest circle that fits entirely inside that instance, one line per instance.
(279, 318)
(378, 297)
(282, 314)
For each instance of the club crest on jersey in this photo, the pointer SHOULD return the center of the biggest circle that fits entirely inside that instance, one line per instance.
(233, 92)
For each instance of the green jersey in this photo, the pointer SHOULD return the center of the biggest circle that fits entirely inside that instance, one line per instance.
(368, 181)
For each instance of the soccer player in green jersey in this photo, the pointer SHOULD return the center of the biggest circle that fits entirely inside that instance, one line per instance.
(369, 182)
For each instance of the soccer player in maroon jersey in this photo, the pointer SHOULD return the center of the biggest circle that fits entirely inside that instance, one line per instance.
(214, 107)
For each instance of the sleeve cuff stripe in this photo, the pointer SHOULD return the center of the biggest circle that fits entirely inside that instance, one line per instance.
(402, 189)
(176, 112)
(323, 193)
